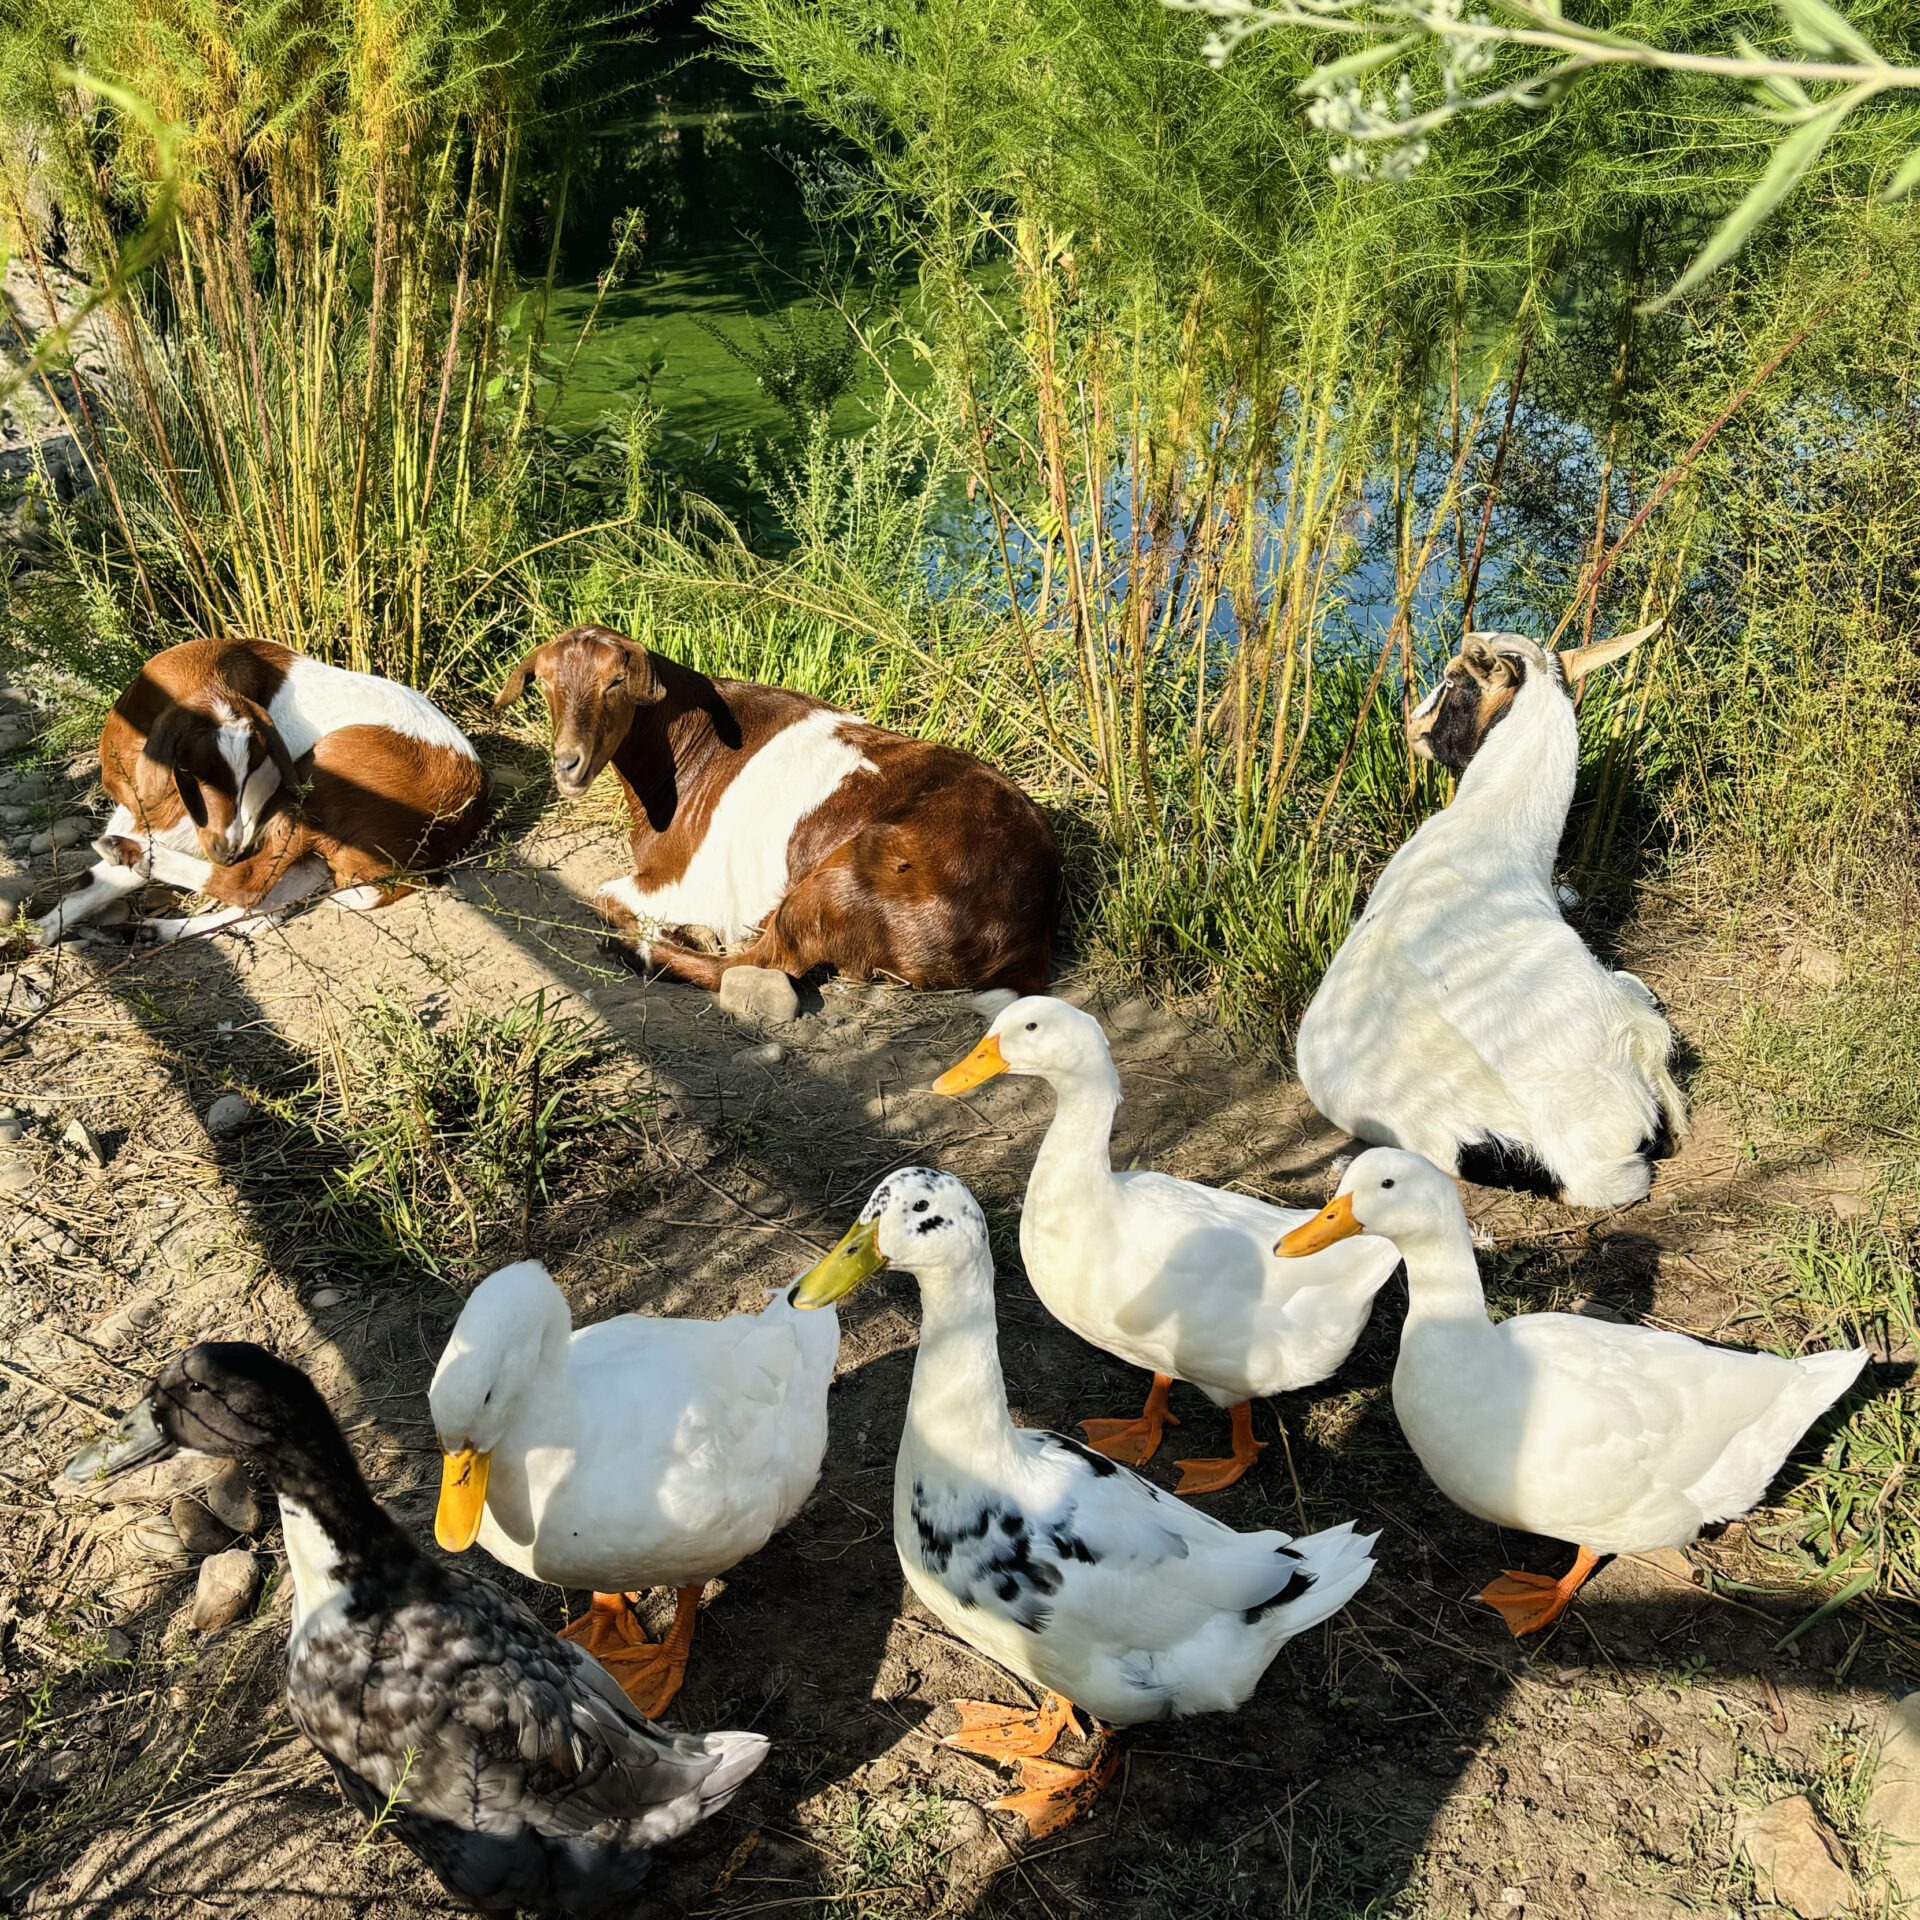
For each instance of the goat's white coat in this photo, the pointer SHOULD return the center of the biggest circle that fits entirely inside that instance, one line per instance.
(316, 699)
(1462, 1007)
(739, 872)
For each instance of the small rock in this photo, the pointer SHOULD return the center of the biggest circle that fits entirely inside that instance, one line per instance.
(328, 1297)
(27, 787)
(154, 1539)
(227, 1585)
(760, 994)
(1795, 1859)
(200, 1532)
(118, 1645)
(229, 1114)
(1849, 1206)
(63, 833)
(14, 888)
(54, 1769)
(1822, 966)
(12, 1128)
(83, 1140)
(1894, 1805)
(15, 816)
(769, 1053)
(42, 1236)
(234, 1500)
(17, 1176)
(120, 1327)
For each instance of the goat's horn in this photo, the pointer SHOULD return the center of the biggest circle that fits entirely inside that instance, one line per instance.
(1577, 662)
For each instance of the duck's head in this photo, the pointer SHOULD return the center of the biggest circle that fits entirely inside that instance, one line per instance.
(228, 1398)
(1400, 1196)
(490, 1361)
(1038, 1035)
(918, 1219)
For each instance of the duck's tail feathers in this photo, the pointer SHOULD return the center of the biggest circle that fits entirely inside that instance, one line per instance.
(1650, 1047)
(1739, 1479)
(740, 1757)
(1334, 1566)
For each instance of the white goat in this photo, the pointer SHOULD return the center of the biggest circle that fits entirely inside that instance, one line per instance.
(1462, 1009)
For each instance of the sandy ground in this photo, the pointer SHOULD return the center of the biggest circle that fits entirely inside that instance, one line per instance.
(1408, 1759)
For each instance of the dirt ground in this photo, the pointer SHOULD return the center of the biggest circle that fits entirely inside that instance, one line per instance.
(1408, 1759)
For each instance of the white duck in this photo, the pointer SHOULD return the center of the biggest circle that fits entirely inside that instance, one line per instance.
(1615, 1439)
(1175, 1277)
(641, 1452)
(1075, 1574)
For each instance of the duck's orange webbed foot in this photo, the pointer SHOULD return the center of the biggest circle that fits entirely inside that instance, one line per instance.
(1052, 1796)
(649, 1675)
(1134, 1442)
(1532, 1602)
(1209, 1476)
(1005, 1733)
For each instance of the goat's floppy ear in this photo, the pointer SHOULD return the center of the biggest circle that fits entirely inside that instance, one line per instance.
(1577, 662)
(643, 684)
(515, 684)
(1487, 664)
(270, 739)
(160, 758)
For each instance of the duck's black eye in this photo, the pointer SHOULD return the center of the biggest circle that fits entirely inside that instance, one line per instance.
(486, 1399)
(1385, 1184)
(1033, 1026)
(920, 1206)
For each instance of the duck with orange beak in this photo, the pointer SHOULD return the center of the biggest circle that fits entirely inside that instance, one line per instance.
(1177, 1278)
(1615, 1439)
(641, 1452)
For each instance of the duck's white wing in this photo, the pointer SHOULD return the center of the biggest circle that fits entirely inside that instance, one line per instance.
(1625, 1424)
(1085, 1551)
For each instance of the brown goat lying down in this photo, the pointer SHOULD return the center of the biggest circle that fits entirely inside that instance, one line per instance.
(248, 772)
(773, 819)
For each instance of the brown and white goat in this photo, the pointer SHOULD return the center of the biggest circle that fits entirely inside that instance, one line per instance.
(248, 772)
(776, 821)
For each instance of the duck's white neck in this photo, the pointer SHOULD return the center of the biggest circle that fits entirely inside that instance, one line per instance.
(1513, 798)
(958, 1406)
(313, 1559)
(1443, 1277)
(1078, 1148)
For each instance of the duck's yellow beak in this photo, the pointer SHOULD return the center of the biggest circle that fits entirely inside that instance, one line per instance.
(463, 1498)
(1333, 1222)
(856, 1258)
(981, 1064)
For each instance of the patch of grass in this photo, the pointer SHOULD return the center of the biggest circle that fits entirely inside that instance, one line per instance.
(445, 1134)
(889, 1855)
(1855, 1512)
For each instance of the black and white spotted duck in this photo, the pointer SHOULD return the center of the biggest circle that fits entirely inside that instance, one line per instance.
(508, 1760)
(1072, 1572)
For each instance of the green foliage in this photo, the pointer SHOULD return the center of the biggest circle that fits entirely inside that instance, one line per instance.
(310, 416)
(428, 1123)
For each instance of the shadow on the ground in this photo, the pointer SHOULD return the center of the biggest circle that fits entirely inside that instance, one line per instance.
(1318, 1798)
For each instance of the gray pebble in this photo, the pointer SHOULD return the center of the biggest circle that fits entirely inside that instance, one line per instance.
(229, 1114)
(225, 1590)
(83, 1140)
(233, 1499)
(17, 1175)
(328, 1297)
(769, 1053)
(63, 833)
(154, 1539)
(200, 1531)
(759, 994)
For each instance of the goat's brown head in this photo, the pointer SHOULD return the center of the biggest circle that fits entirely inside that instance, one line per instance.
(595, 681)
(1484, 678)
(226, 761)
